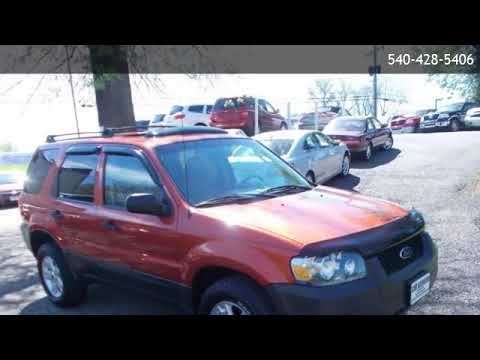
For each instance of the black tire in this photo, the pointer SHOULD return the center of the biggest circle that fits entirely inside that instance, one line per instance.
(74, 290)
(385, 147)
(454, 125)
(238, 290)
(367, 154)
(343, 173)
(283, 126)
(310, 177)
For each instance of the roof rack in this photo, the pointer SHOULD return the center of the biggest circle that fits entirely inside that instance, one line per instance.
(151, 131)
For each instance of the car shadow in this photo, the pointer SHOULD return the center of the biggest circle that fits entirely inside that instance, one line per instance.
(379, 158)
(348, 182)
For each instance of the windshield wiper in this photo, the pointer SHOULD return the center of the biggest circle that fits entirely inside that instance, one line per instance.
(286, 189)
(231, 199)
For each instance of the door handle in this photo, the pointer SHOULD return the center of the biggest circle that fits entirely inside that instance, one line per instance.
(56, 215)
(110, 225)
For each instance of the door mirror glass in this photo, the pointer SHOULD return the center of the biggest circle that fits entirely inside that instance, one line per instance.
(148, 204)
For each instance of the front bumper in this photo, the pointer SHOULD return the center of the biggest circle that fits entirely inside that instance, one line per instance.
(434, 124)
(376, 294)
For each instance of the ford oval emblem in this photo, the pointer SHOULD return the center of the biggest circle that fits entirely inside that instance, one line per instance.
(406, 252)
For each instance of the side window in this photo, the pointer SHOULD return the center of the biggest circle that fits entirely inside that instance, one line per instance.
(126, 175)
(269, 107)
(370, 125)
(38, 170)
(76, 179)
(209, 109)
(262, 106)
(377, 123)
(311, 142)
(323, 141)
(196, 109)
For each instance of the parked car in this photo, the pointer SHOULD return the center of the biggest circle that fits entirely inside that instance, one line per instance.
(11, 184)
(157, 119)
(362, 135)
(408, 123)
(216, 224)
(449, 117)
(188, 115)
(325, 115)
(472, 118)
(238, 132)
(313, 154)
(239, 112)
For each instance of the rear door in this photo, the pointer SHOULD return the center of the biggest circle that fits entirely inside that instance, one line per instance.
(276, 118)
(372, 135)
(382, 132)
(333, 158)
(265, 119)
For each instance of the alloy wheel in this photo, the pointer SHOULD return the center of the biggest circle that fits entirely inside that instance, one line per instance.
(229, 308)
(52, 277)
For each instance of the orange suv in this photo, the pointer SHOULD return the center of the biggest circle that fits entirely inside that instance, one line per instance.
(216, 223)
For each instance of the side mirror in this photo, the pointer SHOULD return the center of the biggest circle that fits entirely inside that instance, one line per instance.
(149, 204)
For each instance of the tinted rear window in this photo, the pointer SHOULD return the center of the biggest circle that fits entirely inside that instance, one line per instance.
(38, 170)
(347, 125)
(234, 103)
(196, 109)
(175, 109)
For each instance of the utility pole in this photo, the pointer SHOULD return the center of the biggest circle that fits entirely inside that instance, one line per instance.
(375, 81)
(71, 88)
(256, 130)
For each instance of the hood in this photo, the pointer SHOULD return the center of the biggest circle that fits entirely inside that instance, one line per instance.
(312, 216)
(10, 187)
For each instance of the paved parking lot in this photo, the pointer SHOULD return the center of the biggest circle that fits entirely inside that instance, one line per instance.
(437, 173)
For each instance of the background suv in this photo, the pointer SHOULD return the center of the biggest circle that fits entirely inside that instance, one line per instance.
(447, 117)
(239, 113)
(188, 115)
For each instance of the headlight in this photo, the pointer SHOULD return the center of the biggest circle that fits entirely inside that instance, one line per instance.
(443, 116)
(333, 269)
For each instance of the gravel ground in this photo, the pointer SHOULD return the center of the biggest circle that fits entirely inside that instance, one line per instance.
(437, 173)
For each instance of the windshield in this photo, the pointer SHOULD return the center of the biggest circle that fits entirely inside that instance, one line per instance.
(8, 179)
(450, 108)
(346, 125)
(214, 168)
(278, 146)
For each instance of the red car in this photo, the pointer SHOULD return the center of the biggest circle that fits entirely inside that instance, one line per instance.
(217, 224)
(362, 135)
(10, 188)
(239, 113)
(408, 123)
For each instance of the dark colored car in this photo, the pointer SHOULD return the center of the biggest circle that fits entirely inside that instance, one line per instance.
(361, 134)
(325, 115)
(408, 123)
(448, 117)
(217, 224)
(239, 113)
(142, 124)
(10, 188)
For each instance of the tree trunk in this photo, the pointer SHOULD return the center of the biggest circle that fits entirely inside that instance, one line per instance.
(112, 85)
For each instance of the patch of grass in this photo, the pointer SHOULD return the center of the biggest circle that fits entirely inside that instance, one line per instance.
(15, 167)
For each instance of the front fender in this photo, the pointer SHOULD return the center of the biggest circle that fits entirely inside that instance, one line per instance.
(265, 268)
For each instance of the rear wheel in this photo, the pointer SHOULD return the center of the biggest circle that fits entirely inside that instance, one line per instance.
(388, 143)
(367, 155)
(60, 284)
(310, 177)
(235, 295)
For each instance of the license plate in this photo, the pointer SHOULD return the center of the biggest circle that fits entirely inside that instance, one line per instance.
(419, 288)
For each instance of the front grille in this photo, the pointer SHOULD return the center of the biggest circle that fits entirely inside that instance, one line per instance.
(391, 260)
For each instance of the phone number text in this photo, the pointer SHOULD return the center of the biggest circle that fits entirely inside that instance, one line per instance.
(431, 59)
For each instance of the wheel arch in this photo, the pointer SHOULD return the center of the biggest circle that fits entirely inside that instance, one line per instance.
(39, 237)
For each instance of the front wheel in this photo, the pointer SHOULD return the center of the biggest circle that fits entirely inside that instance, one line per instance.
(345, 165)
(454, 125)
(235, 295)
(60, 284)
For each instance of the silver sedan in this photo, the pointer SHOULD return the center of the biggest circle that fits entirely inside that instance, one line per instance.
(315, 155)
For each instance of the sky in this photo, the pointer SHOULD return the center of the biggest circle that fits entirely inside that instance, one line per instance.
(34, 106)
